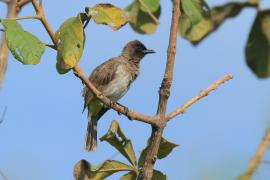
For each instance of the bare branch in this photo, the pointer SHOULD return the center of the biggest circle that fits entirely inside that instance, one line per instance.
(202, 94)
(153, 17)
(40, 12)
(164, 92)
(24, 17)
(117, 107)
(257, 158)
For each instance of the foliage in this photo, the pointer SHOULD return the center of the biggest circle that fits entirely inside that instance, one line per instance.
(24, 46)
(123, 145)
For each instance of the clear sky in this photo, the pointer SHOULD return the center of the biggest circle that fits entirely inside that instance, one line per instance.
(42, 136)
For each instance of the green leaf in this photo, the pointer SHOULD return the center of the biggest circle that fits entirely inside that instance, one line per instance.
(157, 175)
(221, 13)
(108, 14)
(140, 21)
(70, 44)
(129, 176)
(258, 45)
(84, 170)
(195, 20)
(24, 46)
(165, 148)
(153, 5)
(117, 139)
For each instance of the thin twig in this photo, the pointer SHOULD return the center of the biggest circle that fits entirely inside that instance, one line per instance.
(149, 12)
(202, 94)
(24, 17)
(40, 12)
(257, 157)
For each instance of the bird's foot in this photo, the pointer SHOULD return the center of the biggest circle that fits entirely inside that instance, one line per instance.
(126, 111)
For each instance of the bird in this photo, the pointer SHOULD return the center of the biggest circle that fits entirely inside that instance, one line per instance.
(112, 78)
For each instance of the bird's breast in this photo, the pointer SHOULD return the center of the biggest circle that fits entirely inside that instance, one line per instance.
(118, 87)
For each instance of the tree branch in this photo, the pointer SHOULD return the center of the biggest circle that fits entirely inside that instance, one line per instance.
(40, 13)
(202, 94)
(25, 17)
(164, 92)
(257, 158)
(153, 17)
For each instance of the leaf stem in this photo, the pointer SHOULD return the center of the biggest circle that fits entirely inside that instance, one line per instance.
(153, 17)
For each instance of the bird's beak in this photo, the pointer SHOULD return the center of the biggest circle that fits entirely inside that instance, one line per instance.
(148, 51)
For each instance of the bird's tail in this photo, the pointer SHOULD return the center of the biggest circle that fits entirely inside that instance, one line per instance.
(91, 134)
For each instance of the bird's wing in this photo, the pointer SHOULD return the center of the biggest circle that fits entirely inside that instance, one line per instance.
(100, 77)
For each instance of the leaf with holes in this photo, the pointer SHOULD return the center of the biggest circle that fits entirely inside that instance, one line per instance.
(70, 44)
(165, 148)
(109, 15)
(24, 46)
(117, 139)
(195, 21)
(258, 45)
(86, 171)
(140, 21)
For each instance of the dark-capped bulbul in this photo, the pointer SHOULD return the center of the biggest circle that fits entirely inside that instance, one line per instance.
(113, 78)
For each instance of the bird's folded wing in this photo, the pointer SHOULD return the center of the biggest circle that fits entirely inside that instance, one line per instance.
(100, 77)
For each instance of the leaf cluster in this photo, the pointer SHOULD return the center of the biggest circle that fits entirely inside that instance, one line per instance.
(116, 138)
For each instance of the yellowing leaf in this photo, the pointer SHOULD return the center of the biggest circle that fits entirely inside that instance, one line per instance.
(85, 171)
(140, 21)
(70, 44)
(24, 46)
(108, 14)
(258, 45)
(117, 139)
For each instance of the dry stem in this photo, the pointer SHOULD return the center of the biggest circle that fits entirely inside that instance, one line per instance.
(257, 158)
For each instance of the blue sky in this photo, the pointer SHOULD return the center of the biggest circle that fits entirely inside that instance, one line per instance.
(42, 136)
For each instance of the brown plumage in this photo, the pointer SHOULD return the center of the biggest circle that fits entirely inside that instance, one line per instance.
(113, 79)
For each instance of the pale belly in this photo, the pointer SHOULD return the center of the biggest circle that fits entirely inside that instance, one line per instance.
(118, 87)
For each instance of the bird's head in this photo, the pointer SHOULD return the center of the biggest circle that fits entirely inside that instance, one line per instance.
(135, 50)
